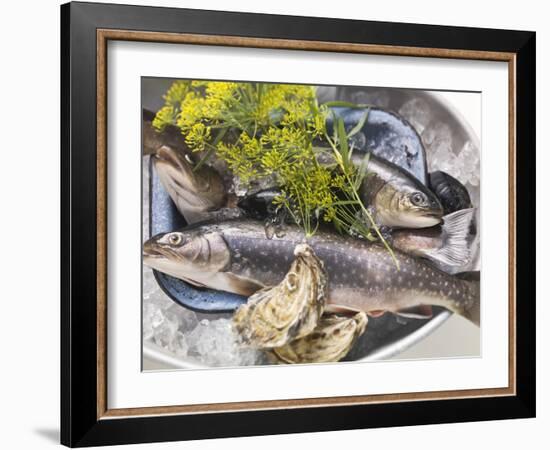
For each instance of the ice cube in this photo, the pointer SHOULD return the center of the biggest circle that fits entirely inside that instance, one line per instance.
(376, 97)
(417, 113)
(437, 134)
(214, 343)
(188, 319)
(165, 331)
(180, 345)
(152, 317)
(469, 152)
(326, 93)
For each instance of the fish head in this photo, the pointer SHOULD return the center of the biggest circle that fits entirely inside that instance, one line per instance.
(192, 255)
(408, 205)
(193, 190)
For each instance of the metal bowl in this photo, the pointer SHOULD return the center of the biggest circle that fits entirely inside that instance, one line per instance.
(388, 335)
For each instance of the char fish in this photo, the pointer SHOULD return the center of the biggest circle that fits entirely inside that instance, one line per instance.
(236, 256)
(396, 198)
(195, 192)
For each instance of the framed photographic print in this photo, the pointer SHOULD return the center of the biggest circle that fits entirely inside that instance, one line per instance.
(269, 220)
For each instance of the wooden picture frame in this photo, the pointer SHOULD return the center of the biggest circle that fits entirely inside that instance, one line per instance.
(86, 418)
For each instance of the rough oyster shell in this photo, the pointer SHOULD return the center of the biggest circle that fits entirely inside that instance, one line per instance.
(332, 339)
(276, 315)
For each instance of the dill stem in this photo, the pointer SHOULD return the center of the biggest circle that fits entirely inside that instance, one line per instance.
(376, 229)
(341, 163)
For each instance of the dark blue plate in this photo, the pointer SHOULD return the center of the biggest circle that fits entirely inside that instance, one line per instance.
(388, 136)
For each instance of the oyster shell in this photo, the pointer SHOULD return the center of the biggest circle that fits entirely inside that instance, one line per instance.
(276, 315)
(330, 341)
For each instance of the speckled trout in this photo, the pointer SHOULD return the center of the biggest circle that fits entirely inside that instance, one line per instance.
(236, 256)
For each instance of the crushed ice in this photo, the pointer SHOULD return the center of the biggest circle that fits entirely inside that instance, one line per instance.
(189, 335)
(182, 332)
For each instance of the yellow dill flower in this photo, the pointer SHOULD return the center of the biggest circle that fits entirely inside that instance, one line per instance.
(221, 89)
(251, 147)
(270, 100)
(288, 138)
(219, 96)
(192, 111)
(164, 117)
(177, 92)
(241, 160)
(197, 136)
(273, 161)
(316, 124)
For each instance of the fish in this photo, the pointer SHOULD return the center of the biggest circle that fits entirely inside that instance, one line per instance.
(236, 256)
(196, 192)
(452, 194)
(395, 197)
(448, 246)
(152, 139)
(398, 199)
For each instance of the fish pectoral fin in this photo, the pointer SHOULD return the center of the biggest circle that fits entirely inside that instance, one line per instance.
(241, 285)
(416, 312)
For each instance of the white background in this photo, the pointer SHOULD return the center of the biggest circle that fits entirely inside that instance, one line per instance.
(29, 329)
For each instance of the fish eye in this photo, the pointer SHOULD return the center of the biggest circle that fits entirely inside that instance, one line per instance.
(175, 239)
(418, 199)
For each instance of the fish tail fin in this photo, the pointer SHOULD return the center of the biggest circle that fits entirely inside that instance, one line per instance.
(457, 233)
(472, 311)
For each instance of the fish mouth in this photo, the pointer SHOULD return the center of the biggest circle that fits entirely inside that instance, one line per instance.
(170, 157)
(422, 220)
(434, 215)
(434, 211)
(152, 251)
